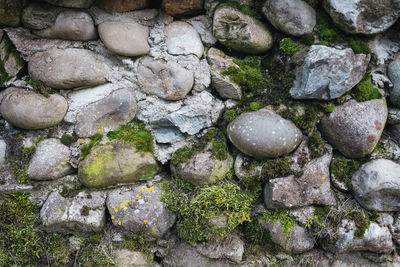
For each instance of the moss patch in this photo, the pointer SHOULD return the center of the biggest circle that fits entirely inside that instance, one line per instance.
(330, 108)
(85, 211)
(288, 47)
(327, 30)
(242, 8)
(365, 91)
(359, 46)
(94, 141)
(230, 115)
(67, 139)
(39, 87)
(343, 169)
(281, 215)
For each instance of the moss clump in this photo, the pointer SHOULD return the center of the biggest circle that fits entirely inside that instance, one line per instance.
(39, 87)
(316, 144)
(281, 215)
(219, 149)
(308, 39)
(288, 47)
(278, 167)
(305, 121)
(254, 106)
(330, 108)
(365, 91)
(327, 31)
(85, 211)
(359, 47)
(135, 133)
(21, 164)
(93, 253)
(94, 141)
(67, 139)
(4, 77)
(343, 169)
(230, 115)
(206, 213)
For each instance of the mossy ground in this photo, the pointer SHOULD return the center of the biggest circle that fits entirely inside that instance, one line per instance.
(365, 91)
(288, 47)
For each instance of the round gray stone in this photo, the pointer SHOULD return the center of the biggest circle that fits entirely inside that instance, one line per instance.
(394, 76)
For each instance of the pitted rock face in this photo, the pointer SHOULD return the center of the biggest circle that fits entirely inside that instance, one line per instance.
(264, 134)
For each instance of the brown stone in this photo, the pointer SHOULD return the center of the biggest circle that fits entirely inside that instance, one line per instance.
(178, 8)
(122, 5)
(10, 13)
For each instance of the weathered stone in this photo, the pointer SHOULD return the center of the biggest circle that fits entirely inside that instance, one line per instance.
(107, 114)
(355, 128)
(384, 46)
(313, 187)
(50, 161)
(39, 16)
(363, 16)
(83, 213)
(294, 17)
(70, 3)
(167, 80)
(178, 8)
(393, 116)
(125, 38)
(3, 149)
(10, 59)
(10, 12)
(328, 73)
(395, 229)
(31, 111)
(115, 163)
(376, 185)
(68, 68)
(122, 5)
(394, 75)
(241, 32)
(219, 62)
(231, 247)
(203, 26)
(127, 258)
(183, 39)
(241, 168)
(140, 209)
(264, 134)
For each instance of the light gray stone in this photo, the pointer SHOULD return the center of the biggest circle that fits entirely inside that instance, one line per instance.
(328, 73)
(393, 116)
(203, 26)
(294, 17)
(183, 39)
(50, 161)
(3, 149)
(32, 111)
(241, 32)
(125, 38)
(138, 208)
(83, 213)
(384, 46)
(68, 68)
(264, 134)
(70, 3)
(395, 229)
(394, 75)
(10, 58)
(127, 258)
(376, 185)
(363, 16)
(231, 247)
(355, 128)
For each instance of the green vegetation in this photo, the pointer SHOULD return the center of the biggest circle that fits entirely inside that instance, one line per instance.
(359, 47)
(21, 164)
(365, 91)
(308, 39)
(343, 169)
(327, 31)
(254, 106)
(93, 253)
(279, 167)
(305, 121)
(9, 49)
(4, 77)
(330, 108)
(288, 47)
(316, 144)
(219, 149)
(85, 211)
(94, 141)
(281, 215)
(67, 139)
(230, 115)
(39, 87)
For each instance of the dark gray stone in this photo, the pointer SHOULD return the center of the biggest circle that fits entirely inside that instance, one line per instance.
(394, 76)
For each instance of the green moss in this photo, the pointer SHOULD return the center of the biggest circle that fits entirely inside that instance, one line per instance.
(327, 31)
(330, 108)
(85, 211)
(67, 139)
(305, 121)
(181, 155)
(230, 115)
(308, 39)
(365, 91)
(288, 47)
(219, 149)
(254, 106)
(343, 169)
(279, 167)
(281, 215)
(316, 144)
(93, 253)
(241, 8)
(21, 164)
(40, 87)
(4, 77)
(94, 141)
(359, 47)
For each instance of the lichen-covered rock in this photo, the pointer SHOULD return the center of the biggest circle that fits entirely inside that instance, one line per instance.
(125, 38)
(50, 160)
(240, 32)
(178, 8)
(363, 16)
(167, 80)
(313, 187)
(106, 114)
(10, 59)
(115, 163)
(183, 39)
(355, 128)
(68, 68)
(294, 17)
(264, 134)
(376, 185)
(394, 75)
(86, 212)
(328, 73)
(219, 62)
(70, 3)
(32, 111)
(112, 6)
(10, 12)
(139, 209)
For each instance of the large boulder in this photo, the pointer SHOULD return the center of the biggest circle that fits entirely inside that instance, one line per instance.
(294, 17)
(241, 32)
(328, 73)
(10, 12)
(355, 128)
(125, 38)
(50, 161)
(112, 6)
(178, 8)
(70, 3)
(394, 75)
(68, 68)
(363, 16)
(264, 134)
(376, 185)
(32, 111)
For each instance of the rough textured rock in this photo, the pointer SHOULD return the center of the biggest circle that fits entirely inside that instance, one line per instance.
(225, 87)
(115, 163)
(183, 39)
(50, 160)
(83, 213)
(313, 187)
(203, 26)
(240, 32)
(10, 12)
(127, 258)
(68, 68)
(178, 8)
(125, 38)
(394, 75)
(264, 134)
(231, 248)
(3, 149)
(122, 5)
(376, 185)
(355, 128)
(328, 73)
(107, 114)
(140, 209)
(167, 80)
(40, 16)
(70, 3)
(10, 58)
(202, 168)
(294, 17)
(384, 46)
(31, 111)
(363, 16)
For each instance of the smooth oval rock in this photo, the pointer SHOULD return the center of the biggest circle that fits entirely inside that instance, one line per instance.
(68, 68)
(241, 32)
(376, 185)
(394, 76)
(355, 128)
(122, 5)
(125, 38)
(178, 8)
(70, 3)
(264, 134)
(32, 111)
(183, 39)
(294, 17)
